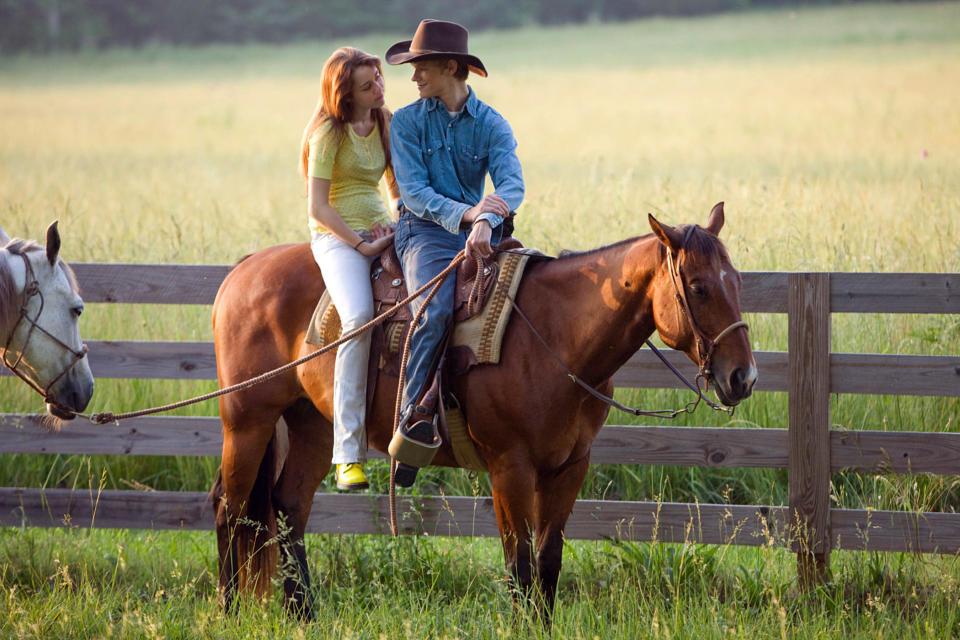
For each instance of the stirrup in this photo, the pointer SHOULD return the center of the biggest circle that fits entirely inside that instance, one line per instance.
(413, 447)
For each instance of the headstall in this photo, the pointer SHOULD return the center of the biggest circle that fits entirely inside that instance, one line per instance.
(31, 289)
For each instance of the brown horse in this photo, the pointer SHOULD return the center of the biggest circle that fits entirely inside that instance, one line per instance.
(594, 309)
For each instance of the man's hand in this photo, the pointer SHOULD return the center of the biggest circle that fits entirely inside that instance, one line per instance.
(491, 203)
(478, 242)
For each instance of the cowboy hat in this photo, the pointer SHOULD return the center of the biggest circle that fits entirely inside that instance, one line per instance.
(436, 39)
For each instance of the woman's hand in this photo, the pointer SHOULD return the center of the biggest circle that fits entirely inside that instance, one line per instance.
(375, 246)
(379, 230)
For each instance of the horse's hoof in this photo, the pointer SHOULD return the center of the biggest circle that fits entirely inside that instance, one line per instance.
(405, 475)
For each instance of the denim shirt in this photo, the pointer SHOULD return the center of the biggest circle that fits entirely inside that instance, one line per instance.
(441, 163)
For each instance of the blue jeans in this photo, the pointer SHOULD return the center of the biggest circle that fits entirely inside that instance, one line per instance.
(425, 249)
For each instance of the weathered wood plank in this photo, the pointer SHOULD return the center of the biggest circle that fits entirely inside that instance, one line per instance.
(895, 293)
(849, 373)
(369, 514)
(860, 451)
(763, 291)
(895, 374)
(691, 446)
(863, 530)
(146, 436)
(895, 452)
(466, 516)
(809, 420)
(171, 360)
(149, 283)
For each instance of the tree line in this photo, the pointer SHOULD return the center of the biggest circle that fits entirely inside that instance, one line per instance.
(42, 26)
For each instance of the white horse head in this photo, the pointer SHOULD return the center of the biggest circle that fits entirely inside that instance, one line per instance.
(39, 323)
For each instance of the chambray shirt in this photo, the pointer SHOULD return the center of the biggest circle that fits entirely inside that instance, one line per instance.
(441, 163)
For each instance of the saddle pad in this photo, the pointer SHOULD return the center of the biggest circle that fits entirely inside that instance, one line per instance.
(483, 333)
(324, 326)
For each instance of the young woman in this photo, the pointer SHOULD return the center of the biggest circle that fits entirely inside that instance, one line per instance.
(344, 153)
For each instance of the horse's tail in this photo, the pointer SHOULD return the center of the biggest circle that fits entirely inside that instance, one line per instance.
(252, 542)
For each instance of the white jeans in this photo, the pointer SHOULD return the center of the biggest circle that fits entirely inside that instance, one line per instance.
(346, 272)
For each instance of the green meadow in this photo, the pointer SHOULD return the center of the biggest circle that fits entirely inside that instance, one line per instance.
(833, 136)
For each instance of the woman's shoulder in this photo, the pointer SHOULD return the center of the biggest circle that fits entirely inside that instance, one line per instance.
(325, 133)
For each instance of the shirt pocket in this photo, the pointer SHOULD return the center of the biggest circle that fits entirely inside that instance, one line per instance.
(433, 155)
(473, 155)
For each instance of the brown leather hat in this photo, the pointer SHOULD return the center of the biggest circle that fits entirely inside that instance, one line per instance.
(436, 39)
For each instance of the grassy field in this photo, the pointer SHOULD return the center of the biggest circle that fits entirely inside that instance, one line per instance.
(833, 136)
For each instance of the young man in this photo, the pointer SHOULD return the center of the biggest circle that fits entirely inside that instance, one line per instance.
(443, 146)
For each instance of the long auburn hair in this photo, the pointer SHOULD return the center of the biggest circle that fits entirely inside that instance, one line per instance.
(336, 101)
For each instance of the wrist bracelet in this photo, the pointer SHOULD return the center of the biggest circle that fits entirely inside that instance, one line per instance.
(359, 242)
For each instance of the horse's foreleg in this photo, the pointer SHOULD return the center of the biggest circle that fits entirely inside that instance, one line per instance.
(513, 486)
(308, 461)
(556, 493)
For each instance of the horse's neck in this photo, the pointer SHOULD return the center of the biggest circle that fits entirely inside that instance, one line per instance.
(596, 308)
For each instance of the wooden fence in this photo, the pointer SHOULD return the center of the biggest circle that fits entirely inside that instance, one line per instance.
(808, 448)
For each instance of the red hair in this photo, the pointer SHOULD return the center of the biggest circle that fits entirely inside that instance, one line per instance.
(336, 100)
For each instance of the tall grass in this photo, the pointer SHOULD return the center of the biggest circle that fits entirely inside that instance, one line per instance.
(832, 135)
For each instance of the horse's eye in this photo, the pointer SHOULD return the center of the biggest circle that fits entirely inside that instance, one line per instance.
(77, 311)
(698, 289)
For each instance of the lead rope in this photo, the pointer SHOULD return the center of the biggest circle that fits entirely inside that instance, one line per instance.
(439, 279)
(105, 417)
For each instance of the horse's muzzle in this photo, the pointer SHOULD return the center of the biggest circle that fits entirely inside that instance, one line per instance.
(737, 387)
(70, 396)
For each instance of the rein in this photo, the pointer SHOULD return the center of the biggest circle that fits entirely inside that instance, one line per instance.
(104, 418)
(31, 289)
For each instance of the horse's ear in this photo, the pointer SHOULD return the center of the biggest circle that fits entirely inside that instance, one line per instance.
(669, 236)
(715, 223)
(4, 238)
(53, 243)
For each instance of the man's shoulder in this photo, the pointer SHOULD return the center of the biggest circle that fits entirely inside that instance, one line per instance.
(486, 114)
(412, 110)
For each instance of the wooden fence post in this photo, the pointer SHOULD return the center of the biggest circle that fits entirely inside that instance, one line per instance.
(808, 308)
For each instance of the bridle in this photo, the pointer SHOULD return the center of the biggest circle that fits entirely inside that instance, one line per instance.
(705, 345)
(31, 289)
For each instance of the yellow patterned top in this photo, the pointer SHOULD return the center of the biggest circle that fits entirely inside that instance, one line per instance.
(354, 166)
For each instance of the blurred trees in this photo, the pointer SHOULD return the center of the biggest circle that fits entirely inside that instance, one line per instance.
(55, 25)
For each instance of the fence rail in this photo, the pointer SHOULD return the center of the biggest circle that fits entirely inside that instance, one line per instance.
(805, 445)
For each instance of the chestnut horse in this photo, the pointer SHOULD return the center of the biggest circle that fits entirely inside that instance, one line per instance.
(531, 425)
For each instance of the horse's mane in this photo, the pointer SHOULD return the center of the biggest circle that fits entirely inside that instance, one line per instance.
(568, 254)
(9, 296)
(700, 242)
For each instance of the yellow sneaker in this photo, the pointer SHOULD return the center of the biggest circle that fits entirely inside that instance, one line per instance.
(350, 477)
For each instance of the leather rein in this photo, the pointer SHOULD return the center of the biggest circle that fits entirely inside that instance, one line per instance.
(31, 289)
(705, 350)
